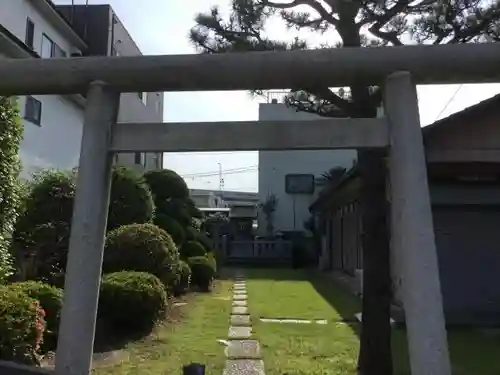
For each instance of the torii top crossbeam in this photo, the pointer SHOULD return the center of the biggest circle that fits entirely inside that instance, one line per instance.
(440, 64)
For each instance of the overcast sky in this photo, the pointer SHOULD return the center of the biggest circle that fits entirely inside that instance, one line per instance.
(161, 27)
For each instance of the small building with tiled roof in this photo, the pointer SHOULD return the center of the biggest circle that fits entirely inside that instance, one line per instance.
(463, 161)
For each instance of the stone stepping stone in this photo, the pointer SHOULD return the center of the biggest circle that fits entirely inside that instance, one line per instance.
(240, 310)
(244, 367)
(240, 297)
(293, 321)
(239, 287)
(239, 303)
(240, 320)
(239, 332)
(238, 292)
(243, 349)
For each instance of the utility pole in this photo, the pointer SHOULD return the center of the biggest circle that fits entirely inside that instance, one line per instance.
(221, 179)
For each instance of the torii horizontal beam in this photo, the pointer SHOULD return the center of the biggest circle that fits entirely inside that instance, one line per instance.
(439, 64)
(250, 135)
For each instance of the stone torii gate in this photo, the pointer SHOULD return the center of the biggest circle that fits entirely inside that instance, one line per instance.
(397, 69)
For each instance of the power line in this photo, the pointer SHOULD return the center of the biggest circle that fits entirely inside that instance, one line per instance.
(216, 174)
(449, 102)
(213, 173)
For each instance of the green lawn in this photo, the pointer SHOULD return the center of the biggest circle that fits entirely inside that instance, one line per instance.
(191, 337)
(333, 348)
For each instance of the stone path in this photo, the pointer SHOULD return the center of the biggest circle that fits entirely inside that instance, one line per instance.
(243, 354)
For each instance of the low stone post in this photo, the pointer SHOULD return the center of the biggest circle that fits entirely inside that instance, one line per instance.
(88, 228)
(412, 231)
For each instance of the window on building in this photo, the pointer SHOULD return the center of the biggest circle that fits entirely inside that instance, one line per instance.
(50, 49)
(47, 47)
(30, 33)
(33, 110)
(137, 158)
(58, 51)
(140, 158)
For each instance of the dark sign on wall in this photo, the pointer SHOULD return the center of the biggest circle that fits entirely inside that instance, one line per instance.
(299, 183)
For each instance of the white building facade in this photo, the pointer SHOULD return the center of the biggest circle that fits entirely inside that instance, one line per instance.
(292, 210)
(52, 124)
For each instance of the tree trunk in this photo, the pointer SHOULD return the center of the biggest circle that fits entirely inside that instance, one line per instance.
(375, 357)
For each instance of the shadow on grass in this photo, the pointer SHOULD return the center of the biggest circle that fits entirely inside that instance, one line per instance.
(336, 295)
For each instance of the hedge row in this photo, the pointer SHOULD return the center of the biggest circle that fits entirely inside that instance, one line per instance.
(143, 264)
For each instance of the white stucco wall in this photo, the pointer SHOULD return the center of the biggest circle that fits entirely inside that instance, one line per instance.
(293, 210)
(55, 143)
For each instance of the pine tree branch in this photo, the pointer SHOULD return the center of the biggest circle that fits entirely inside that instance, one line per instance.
(326, 94)
(390, 36)
(324, 14)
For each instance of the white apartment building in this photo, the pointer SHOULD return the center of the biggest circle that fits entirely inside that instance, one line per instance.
(53, 124)
(293, 209)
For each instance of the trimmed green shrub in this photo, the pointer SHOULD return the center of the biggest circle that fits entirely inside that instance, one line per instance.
(131, 201)
(184, 280)
(192, 249)
(196, 223)
(172, 227)
(142, 248)
(166, 184)
(11, 133)
(193, 210)
(205, 241)
(175, 208)
(21, 327)
(41, 235)
(212, 260)
(51, 300)
(202, 272)
(191, 234)
(132, 302)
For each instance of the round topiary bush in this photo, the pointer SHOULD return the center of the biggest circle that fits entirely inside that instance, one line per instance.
(193, 210)
(175, 208)
(212, 260)
(50, 199)
(51, 300)
(202, 272)
(172, 227)
(21, 327)
(41, 234)
(142, 248)
(166, 184)
(132, 302)
(182, 286)
(192, 249)
(131, 201)
(205, 241)
(191, 234)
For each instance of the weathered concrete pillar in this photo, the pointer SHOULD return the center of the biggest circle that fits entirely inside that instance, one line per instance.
(88, 228)
(413, 232)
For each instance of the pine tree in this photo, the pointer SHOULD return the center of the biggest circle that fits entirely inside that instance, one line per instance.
(356, 23)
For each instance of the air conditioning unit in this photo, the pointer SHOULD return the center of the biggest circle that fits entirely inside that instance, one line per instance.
(74, 52)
